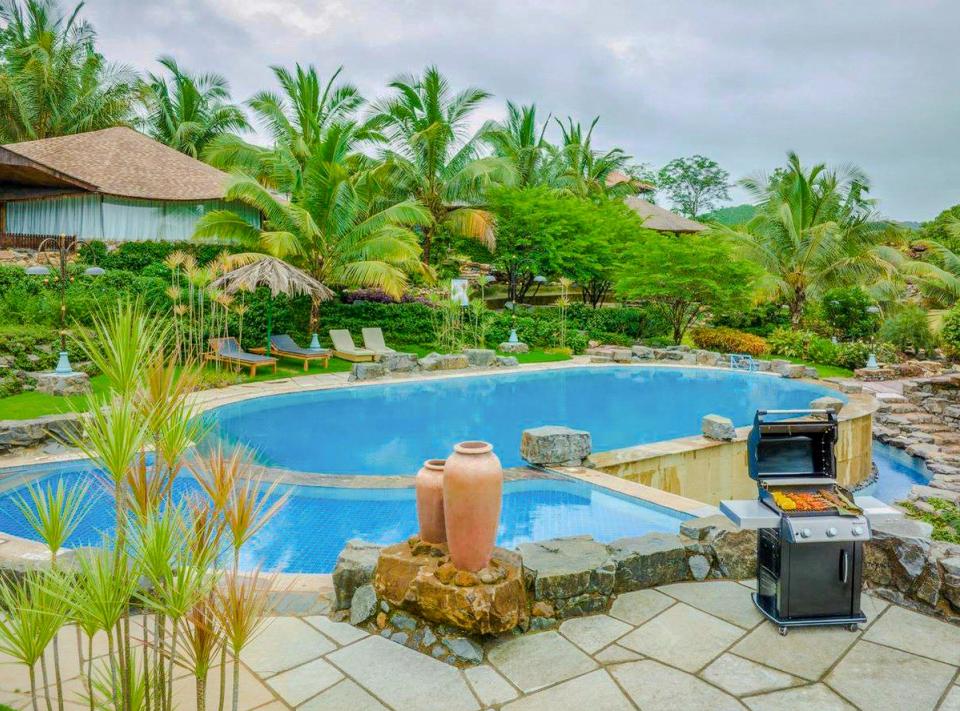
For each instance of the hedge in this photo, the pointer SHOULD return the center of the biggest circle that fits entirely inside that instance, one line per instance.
(729, 340)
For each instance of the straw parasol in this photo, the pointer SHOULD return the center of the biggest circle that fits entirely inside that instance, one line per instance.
(276, 275)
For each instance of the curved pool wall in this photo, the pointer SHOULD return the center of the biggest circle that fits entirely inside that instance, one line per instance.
(389, 429)
(315, 523)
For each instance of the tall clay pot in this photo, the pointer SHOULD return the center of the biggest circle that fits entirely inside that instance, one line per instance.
(429, 484)
(472, 491)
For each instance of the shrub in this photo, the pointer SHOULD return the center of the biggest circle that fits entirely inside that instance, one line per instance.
(852, 355)
(729, 340)
(760, 320)
(790, 343)
(31, 347)
(909, 329)
(845, 312)
(823, 350)
(950, 332)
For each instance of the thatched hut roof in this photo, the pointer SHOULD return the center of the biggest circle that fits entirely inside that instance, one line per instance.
(661, 220)
(276, 275)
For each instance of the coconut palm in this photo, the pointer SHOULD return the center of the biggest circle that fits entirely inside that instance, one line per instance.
(52, 79)
(814, 229)
(434, 159)
(296, 120)
(187, 111)
(335, 227)
(520, 140)
(579, 169)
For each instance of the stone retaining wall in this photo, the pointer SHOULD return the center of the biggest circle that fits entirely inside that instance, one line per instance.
(938, 395)
(684, 355)
(409, 363)
(15, 434)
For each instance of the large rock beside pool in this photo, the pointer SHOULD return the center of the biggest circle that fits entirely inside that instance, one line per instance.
(553, 444)
(33, 432)
(717, 427)
(653, 559)
(418, 577)
(575, 575)
(399, 362)
(367, 371)
(827, 403)
(733, 551)
(354, 569)
(508, 347)
(448, 361)
(62, 385)
(480, 357)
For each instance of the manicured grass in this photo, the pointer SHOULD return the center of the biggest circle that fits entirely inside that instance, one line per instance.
(825, 371)
(33, 404)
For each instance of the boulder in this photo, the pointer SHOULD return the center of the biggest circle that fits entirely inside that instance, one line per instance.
(734, 551)
(699, 566)
(621, 355)
(650, 560)
(827, 403)
(367, 371)
(896, 555)
(507, 361)
(717, 427)
(36, 431)
(400, 362)
(951, 580)
(415, 578)
(354, 569)
(480, 357)
(53, 383)
(642, 353)
(448, 361)
(552, 444)
(518, 347)
(794, 372)
(763, 366)
(575, 575)
(363, 606)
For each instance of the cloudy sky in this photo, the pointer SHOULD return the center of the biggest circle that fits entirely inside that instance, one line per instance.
(870, 82)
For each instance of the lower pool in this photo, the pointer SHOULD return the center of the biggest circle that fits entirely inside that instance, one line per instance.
(897, 472)
(312, 528)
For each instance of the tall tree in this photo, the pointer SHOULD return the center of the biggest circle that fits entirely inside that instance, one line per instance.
(334, 227)
(685, 277)
(53, 82)
(434, 159)
(580, 169)
(694, 184)
(296, 120)
(815, 229)
(187, 111)
(519, 139)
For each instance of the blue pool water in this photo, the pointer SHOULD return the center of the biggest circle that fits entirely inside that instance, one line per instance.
(393, 428)
(312, 528)
(897, 473)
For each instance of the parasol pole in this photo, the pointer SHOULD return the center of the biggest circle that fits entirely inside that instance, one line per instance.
(269, 321)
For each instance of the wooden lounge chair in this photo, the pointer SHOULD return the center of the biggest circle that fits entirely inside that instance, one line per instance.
(283, 346)
(373, 341)
(343, 347)
(228, 351)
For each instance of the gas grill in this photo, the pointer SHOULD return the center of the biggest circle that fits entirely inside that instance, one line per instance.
(810, 530)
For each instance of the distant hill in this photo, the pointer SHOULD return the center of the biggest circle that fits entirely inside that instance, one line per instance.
(736, 215)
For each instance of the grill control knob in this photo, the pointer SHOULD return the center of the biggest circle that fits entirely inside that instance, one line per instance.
(857, 531)
(831, 532)
(804, 533)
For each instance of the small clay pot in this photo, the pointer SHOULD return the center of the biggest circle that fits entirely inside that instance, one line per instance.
(472, 494)
(429, 483)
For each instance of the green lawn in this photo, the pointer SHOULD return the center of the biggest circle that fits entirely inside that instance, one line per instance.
(825, 371)
(33, 404)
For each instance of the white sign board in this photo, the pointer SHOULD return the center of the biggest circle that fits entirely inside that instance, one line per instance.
(458, 291)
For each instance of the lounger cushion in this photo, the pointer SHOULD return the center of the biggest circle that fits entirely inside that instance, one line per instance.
(285, 344)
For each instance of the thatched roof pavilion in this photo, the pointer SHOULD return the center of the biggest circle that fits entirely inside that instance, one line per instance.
(661, 220)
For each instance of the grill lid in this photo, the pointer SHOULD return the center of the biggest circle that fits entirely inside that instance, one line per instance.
(801, 446)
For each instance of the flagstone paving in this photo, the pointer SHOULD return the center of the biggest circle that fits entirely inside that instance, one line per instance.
(696, 647)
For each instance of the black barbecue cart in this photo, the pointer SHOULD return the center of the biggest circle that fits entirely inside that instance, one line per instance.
(809, 563)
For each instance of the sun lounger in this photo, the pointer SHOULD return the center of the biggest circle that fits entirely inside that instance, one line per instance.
(283, 346)
(343, 347)
(373, 341)
(228, 351)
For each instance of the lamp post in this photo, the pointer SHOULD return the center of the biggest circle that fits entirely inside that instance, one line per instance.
(63, 248)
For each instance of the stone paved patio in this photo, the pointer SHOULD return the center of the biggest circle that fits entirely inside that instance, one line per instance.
(691, 646)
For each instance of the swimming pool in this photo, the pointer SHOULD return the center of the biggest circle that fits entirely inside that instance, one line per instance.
(897, 472)
(392, 428)
(312, 528)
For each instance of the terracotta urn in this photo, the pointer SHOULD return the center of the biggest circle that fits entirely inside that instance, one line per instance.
(472, 492)
(429, 483)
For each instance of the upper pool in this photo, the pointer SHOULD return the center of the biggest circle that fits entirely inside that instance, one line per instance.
(392, 428)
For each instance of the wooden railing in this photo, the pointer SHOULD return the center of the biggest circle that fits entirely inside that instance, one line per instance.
(12, 241)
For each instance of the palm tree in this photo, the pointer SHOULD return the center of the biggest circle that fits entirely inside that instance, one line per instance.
(582, 171)
(296, 120)
(187, 111)
(520, 141)
(332, 228)
(434, 159)
(52, 80)
(814, 229)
